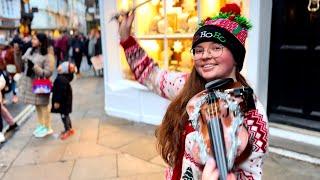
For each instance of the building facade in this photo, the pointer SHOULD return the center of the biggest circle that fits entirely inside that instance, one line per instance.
(59, 14)
(9, 18)
(166, 32)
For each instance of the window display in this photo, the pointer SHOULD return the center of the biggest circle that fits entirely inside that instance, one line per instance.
(164, 28)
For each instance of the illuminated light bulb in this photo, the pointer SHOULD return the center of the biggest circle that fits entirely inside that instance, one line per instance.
(152, 48)
(155, 2)
(177, 46)
(189, 5)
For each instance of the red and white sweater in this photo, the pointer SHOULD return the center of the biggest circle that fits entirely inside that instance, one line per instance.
(168, 85)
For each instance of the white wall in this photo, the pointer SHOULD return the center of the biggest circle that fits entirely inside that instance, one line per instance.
(257, 58)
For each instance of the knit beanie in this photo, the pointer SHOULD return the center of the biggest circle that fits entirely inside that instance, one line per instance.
(228, 28)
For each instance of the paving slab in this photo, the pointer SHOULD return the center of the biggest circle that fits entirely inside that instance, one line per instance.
(80, 150)
(147, 176)
(143, 148)
(40, 154)
(282, 168)
(95, 168)
(158, 160)
(118, 139)
(129, 166)
(49, 171)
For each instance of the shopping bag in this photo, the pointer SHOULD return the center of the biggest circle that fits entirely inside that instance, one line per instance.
(41, 86)
(97, 62)
(84, 67)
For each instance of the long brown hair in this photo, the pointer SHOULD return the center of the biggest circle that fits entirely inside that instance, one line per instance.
(170, 131)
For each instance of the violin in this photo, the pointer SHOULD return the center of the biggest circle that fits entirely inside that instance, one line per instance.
(222, 117)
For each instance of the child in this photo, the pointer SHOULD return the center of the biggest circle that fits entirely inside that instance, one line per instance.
(62, 96)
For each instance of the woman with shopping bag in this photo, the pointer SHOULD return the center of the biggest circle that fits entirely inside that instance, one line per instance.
(34, 85)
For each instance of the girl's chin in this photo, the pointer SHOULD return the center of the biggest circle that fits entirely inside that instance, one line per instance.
(209, 76)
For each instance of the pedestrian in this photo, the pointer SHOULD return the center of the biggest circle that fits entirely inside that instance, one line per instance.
(218, 52)
(36, 65)
(12, 68)
(4, 112)
(62, 47)
(91, 45)
(62, 97)
(77, 50)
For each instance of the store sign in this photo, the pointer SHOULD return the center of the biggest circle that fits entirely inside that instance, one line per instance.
(9, 24)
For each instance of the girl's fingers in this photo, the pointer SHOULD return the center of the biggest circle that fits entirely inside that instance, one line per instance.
(210, 172)
(231, 176)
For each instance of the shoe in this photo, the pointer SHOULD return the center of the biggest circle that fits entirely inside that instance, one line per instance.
(2, 138)
(64, 135)
(13, 127)
(50, 131)
(72, 131)
(38, 128)
(43, 132)
(15, 99)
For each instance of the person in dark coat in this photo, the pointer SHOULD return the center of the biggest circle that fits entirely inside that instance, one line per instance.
(62, 96)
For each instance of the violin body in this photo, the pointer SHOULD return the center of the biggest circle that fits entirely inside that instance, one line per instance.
(221, 121)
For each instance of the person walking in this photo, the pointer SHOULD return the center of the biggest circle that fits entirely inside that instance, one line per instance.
(36, 65)
(4, 113)
(62, 97)
(218, 51)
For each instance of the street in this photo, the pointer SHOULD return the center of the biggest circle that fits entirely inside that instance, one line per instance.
(104, 147)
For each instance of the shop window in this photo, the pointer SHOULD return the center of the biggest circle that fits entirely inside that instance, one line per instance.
(165, 29)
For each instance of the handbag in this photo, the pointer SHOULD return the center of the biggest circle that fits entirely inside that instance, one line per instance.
(41, 86)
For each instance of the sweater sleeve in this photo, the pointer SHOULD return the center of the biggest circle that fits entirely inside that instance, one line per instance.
(164, 83)
(257, 124)
(45, 70)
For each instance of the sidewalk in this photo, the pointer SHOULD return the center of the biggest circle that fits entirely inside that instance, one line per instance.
(104, 147)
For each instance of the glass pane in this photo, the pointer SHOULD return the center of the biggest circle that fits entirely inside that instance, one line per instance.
(154, 49)
(149, 20)
(179, 55)
(124, 5)
(181, 17)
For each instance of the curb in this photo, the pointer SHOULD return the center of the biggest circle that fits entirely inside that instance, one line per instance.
(295, 155)
(22, 116)
(297, 135)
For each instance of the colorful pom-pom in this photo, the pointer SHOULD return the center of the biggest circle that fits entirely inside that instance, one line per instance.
(232, 8)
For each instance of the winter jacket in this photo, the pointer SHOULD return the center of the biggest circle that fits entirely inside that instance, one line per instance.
(42, 69)
(168, 85)
(62, 94)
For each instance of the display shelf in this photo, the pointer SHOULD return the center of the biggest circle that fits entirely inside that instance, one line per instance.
(167, 36)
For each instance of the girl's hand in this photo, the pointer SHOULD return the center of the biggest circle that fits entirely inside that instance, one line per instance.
(210, 171)
(56, 105)
(125, 23)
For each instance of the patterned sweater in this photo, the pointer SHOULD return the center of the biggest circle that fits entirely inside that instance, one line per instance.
(168, 85)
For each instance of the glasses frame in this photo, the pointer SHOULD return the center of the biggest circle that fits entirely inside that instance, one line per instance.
(209, 50)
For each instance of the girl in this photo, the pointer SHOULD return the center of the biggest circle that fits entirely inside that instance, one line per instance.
(218, 52)
(62, 96)
(36, 64)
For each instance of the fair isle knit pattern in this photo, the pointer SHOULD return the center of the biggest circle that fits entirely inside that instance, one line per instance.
(258, 131)
(139, 62)
(231, 26)
(166, 84)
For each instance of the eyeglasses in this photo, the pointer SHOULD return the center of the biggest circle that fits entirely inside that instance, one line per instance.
(215, 51)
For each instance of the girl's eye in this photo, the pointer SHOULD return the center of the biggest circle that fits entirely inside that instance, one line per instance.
(198, 51)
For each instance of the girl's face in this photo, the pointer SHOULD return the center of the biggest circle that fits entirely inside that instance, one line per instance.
(214, 61)
(35, 41)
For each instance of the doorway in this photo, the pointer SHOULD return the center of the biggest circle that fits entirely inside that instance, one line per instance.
(294, 69)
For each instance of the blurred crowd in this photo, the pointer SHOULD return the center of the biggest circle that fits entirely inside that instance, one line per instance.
(69, 46)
